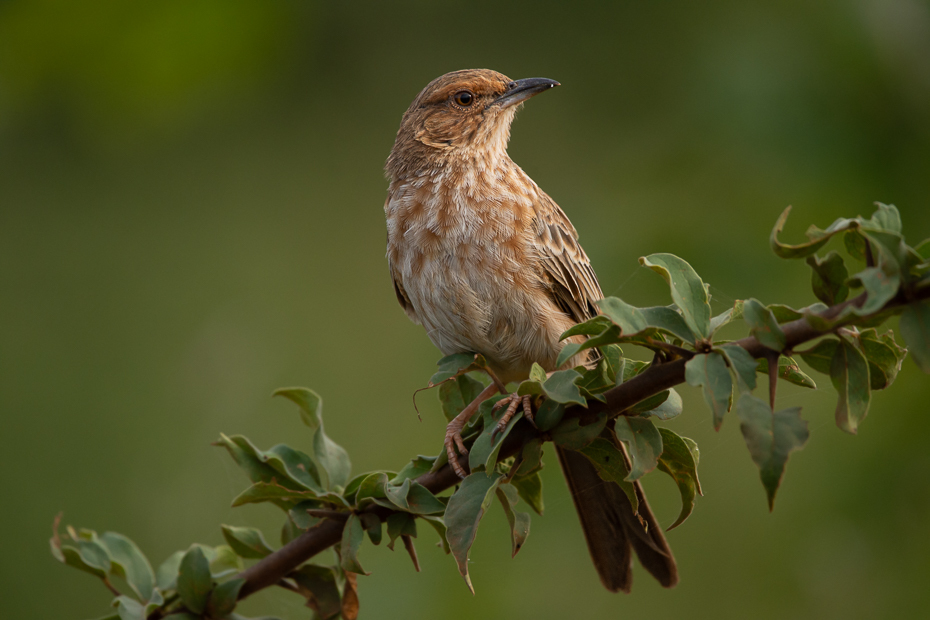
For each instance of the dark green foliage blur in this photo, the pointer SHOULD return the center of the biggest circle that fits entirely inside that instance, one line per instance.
(190, 218)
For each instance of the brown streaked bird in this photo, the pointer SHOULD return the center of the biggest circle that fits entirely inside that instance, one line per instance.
(488, 263)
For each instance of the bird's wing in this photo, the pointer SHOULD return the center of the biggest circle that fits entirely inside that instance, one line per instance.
(402, 294)
(567, 270)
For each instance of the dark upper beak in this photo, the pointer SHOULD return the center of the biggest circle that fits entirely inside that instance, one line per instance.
(521, 90)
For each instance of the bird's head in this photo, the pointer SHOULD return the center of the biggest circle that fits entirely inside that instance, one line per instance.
(460, 115)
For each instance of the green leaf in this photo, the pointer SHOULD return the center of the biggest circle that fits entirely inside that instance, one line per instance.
(724, 318)
(537, 372)
(828, 278)
(923, 249)
(86, 555)
(561, 387)
(593, 326)
(352, 487)
(656, 400)
(530, 489)
(817, 238)
(915, 329)
(372, 487)
(855, 244)
(610, 336)
(400, 524)
(331, 459)
(413, 497)
(572, 435)
(288, 467)
(688, 290)
(820, 356)
(416, 467)
(549, 415)
(486, 448)
(849, 372)
(630, 369)
(635, 321)
(763, 326)
(679, 459)
(223, 561)
(612, 360)
(742, 364)
(128, 608)
(519, 521)
(167, 573)
(247, 542)
(668, 320)
(783, 313)
(789, 370)
(224, 597)
(283, 496)
(352, 536)
(456, 364)
(464, 513)
(710, 372)
(458, 394)
(129, 563)
(629, 318)
(884, 356)
(886, 218)
(194, 580)
(770, 437)
(299, 517)
(880, 288)
(483, 448)
(289, 530)
(438, 524)
(611, 466)
(643, 442)
(318, 585)
(595, 381)
(372, 524)
(671, 407)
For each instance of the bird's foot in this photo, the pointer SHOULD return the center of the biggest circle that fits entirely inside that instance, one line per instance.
(453, 442)
(513, 402)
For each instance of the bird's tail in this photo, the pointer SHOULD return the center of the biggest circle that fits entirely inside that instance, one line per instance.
(612, 529)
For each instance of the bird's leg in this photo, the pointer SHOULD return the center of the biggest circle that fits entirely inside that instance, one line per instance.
(513, 403)
(453, 438)
(497, 382)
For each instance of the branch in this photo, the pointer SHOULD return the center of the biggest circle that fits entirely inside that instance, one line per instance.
(656, 379)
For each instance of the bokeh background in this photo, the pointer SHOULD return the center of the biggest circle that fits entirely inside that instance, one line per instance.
(190, 217)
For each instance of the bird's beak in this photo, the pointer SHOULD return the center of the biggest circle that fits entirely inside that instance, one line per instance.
(521, 90)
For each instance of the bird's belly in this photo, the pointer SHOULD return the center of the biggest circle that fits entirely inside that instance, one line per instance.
(472, 306)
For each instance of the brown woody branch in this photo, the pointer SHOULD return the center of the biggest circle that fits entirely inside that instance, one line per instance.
(658, 378)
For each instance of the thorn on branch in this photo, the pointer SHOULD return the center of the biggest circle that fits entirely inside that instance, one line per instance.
(672, 349)
(772, 358)
(408, 545)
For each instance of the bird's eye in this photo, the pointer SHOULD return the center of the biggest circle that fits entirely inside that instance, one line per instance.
(464, 98)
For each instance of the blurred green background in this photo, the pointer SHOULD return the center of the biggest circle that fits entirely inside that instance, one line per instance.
(190, 217)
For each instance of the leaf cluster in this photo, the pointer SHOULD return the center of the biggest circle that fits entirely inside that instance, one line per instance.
(575, 408)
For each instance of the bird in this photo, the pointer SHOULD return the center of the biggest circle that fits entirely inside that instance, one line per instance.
(488, 263)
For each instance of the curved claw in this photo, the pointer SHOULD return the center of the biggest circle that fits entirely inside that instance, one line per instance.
(453, 441)
(513, 403)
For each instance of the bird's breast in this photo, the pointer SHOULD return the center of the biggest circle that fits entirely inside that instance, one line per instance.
(467, 261)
